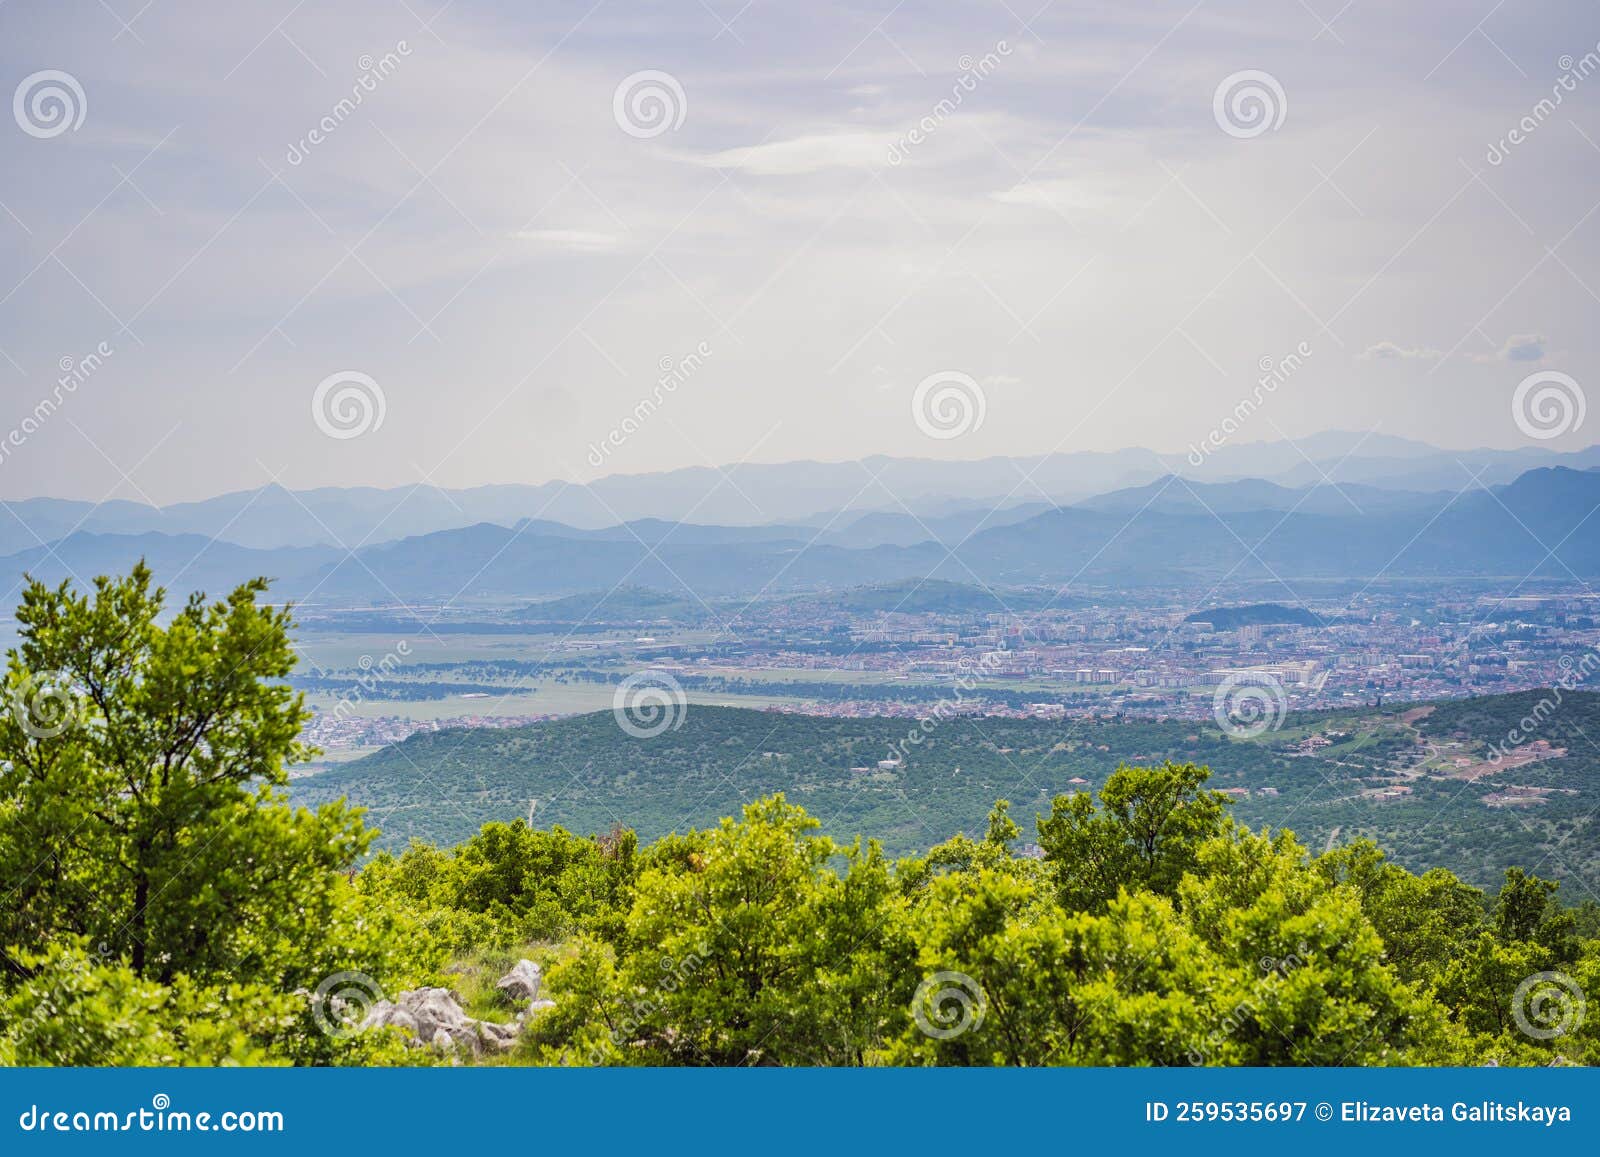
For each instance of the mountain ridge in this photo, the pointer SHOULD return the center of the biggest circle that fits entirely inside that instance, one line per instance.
(1480, 531)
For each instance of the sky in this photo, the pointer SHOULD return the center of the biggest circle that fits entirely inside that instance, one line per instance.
(467, 242)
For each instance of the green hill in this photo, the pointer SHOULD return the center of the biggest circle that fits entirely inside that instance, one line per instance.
(940, 596)
(588, 775)
(625, 604)
(1255, 615)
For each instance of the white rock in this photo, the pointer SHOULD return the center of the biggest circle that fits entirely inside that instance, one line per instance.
(522, 982)
(434, 1016)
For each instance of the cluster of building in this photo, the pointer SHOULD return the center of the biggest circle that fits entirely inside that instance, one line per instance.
(1164, 657)
(337, 733)
(1137, 653)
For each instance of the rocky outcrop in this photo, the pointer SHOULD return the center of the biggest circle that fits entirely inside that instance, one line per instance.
(434, 1016)
(522, 982)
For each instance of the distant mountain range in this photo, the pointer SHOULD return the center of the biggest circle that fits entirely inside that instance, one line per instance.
(892, 493)
(336, 546)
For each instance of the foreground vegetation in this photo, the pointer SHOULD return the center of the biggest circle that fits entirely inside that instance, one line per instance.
(167, 905)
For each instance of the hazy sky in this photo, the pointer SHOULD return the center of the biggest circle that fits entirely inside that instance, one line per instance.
(843, 199)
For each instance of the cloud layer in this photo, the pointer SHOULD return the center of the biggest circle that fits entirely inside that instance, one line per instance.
(838, 203)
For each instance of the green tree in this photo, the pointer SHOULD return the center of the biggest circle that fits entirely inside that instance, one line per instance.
(1009, 978)
(1526, 910)
(1425, 921)
(1142, 835)
(758, 942)
(1307, 981)
(143, 810)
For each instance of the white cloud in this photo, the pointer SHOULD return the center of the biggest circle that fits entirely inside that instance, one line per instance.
(1525, 348)
(1059, 195)
(1101, 205)
(573, 240)
(1388, 351)
(807, 154)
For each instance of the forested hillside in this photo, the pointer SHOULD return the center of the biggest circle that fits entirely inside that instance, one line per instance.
(1391, 775)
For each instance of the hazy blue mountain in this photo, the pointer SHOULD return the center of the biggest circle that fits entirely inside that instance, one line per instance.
(1532, 524)
(495, 562)
(1173, 494)
(30, 522)
(1443, 470)
(877, 501)
(891, 528)
(657, 531)
(184, 562)
(1538, 523)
